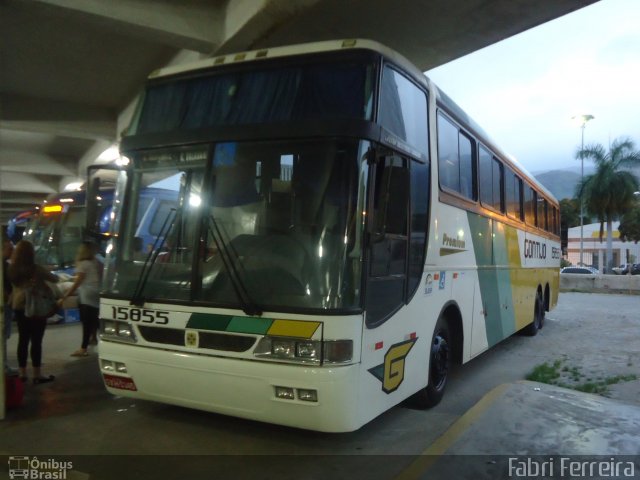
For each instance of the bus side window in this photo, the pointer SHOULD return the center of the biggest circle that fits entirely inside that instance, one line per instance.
(448, 154)
(388, 246)
(530, 206)
(390, 202)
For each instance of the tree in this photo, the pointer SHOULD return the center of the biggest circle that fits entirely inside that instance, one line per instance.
(609, 192)
(569, 217)
(570, 212)
(630, 225)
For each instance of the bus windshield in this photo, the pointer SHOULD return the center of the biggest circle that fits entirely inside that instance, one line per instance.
(56, 237)
(281, 221)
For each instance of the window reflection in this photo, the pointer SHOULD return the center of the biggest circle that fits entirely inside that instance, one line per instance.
(282, 219)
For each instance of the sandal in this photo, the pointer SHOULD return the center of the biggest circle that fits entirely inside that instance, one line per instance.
(39, 380)
(80, 353)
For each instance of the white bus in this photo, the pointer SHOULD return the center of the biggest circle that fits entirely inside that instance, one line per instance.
(342, 233)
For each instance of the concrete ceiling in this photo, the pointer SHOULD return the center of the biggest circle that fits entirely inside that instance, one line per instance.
(70, 69)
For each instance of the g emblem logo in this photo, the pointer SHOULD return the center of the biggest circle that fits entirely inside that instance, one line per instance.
(191, 338)
(391, 372)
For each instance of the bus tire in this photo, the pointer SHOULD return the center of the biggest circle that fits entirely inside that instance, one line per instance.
(439, 367)
(534, 327)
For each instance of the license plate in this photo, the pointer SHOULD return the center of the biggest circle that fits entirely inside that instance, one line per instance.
(121, 383)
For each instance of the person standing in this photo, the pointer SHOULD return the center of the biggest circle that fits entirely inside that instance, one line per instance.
(24, 273)
(7, 250)
(87, 282)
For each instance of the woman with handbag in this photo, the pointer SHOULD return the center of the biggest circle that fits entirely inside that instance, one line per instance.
(30, 295)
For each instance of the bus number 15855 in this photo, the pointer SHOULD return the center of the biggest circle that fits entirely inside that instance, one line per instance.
(140, 315)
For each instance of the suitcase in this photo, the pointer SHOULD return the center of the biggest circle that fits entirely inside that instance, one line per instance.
(14, 390)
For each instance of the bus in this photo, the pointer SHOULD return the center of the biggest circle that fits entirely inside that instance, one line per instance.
(67, 219)
(57, 230)
(17, 225)
(342, 233)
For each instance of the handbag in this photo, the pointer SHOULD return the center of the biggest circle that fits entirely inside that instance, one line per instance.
(40, 302)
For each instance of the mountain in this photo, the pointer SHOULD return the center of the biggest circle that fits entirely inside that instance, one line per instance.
(562, 183)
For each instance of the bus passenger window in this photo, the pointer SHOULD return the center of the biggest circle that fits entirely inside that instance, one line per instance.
(497, 174)
(542, 213)
(456, 159)
(491, 180)
(448, 160)
(530, 206)
(467, 167)
(513, 197)
(486, 177)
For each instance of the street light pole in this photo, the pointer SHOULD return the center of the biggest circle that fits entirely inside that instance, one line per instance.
(582, 119)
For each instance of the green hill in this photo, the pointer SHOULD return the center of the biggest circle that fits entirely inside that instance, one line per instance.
(562, 183)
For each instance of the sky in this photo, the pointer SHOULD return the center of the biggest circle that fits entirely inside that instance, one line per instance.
(524, 90)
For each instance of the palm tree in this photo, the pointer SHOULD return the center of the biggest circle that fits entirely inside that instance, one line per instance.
(609, 192)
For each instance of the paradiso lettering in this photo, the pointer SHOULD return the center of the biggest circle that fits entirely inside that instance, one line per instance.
(533, 249)
(452, 242)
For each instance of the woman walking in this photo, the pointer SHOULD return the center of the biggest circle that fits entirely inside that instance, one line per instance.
(25, 274)
(87, 282)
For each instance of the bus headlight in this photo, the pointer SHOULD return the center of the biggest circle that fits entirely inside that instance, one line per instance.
(117, 331)
(314, 352)
(307, 349)
(283, 348)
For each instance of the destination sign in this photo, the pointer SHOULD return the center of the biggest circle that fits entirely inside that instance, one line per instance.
(178, 157)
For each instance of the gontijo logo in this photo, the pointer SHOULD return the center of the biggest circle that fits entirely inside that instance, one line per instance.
(33, 468)
(534, 249)
(391, 372)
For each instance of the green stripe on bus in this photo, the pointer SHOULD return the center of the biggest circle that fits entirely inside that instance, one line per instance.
(207, 321)
(504, 278)
(495, 285)
(258, 326)
(229, 323)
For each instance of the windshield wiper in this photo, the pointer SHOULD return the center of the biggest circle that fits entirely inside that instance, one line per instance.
(158, 243)
(248, 305)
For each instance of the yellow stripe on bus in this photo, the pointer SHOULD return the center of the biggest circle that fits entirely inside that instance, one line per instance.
(293, 328)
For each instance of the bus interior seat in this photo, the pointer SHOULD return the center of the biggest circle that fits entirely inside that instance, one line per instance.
(237, 206)
(279, 212)
(310, 180)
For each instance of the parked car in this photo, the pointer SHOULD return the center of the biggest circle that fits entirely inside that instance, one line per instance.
(621, 270)
(583, 270)
(635, 269)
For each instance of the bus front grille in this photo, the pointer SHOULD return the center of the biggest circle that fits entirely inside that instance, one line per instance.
(206, 340)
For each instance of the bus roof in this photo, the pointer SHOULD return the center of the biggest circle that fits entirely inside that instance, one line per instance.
(285, 51)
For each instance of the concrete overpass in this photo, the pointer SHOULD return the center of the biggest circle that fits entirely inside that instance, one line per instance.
(70, 69)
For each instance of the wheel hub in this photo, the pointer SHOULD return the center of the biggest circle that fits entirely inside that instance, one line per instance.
(439, 360)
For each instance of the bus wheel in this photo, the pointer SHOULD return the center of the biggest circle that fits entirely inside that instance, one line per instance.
(538, 317)
(439, 366)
